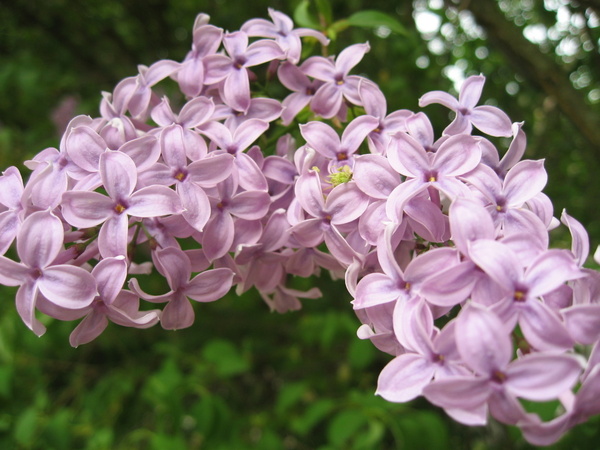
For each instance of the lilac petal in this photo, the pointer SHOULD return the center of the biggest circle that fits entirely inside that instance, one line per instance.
(462, 393)
(218, 236)
(176, 267)
(11, 188)
(195, 112)
(346, 203)
(84, 147)
(515, 150)
(542, 377)
(125, 312)
(338, 246)
(12, 273)
(322, 138)
(259, 27)
(110, 275)
(144, 151)
(450, 286)
(309, 194)
(279, 169)
(443, 98)
(583, 323)
(491, 120)
(469, 221)
(48, 186)
(135, 287)
(404, 378)
(216, 68)
(400, 196)
(195, 204)
(505, 408)
(40, 239)
(68, 286)
(427, 220)
(319, 67)
(293, 78)
(375, 289)
(119, 174)
(546, 433)
(210, 285)
(88, 329)
(470, 91)
(580, 246)
(154, 201)
(407, 156)
(159, 71)
(25, 302)
(374, 176)
(220, 135)
(459, 126)
(420, 128)
(209, 171)
(457, 155)
(550, 270)
(250, 205)
(327, 101)
(292, 105)
(86, 209)
(276, 231)
(356, 132)
(543, 329)
(309, 233)
(525, 180)
(372, 99)
(498, 261)
(372, 222)
(207, 39)
(177, 314)
(248, 132)
(262, 51)
(162, 113)
(236, 90)
(250, 175)
(113, 236)
(350, 57)
(421, 268)
(172, 147)
(483, 340)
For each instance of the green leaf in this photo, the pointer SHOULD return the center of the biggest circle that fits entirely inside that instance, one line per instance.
(344, 426)
(225, 357)
(303, 17)
(26, 427)
(376, 19)
(324, 9)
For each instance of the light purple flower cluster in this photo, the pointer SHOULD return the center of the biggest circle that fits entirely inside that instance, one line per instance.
(443, 244)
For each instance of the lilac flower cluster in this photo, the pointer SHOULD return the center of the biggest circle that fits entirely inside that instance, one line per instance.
(443, 244)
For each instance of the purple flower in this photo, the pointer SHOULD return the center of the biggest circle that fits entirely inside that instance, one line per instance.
(484, 345)
(489, 119)
(327, 101)
(119, 176)
(176, 267)
(233, 69)
(120, 306)
(283, 31)
(39, 242)
(326, 141)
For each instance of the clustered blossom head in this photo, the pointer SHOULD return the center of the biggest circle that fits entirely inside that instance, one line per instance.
(443, 243)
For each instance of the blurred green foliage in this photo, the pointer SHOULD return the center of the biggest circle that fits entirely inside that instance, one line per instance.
(242, 378)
